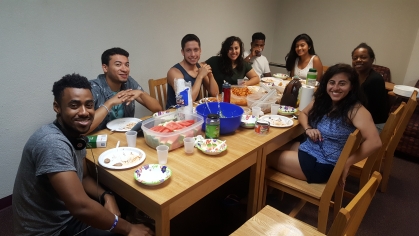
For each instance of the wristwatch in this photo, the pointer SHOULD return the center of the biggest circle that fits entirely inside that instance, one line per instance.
(102, 197)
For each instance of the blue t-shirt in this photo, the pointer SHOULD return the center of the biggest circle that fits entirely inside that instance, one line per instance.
(334, 132)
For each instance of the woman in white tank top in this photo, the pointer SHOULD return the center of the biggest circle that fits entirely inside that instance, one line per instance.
(302, 57)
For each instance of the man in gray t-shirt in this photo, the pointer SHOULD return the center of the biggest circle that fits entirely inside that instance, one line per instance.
(52, 186)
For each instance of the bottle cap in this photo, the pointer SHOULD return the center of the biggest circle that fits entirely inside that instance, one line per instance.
(312, 70)
(213, 116)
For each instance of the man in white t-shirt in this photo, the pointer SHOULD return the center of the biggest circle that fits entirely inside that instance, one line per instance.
(255, 57)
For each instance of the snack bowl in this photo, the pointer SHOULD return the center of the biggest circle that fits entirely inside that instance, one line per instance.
(280, 75)
(287, 110)
(248, 121)
(231, 115)
(211, 146)
(152, 174)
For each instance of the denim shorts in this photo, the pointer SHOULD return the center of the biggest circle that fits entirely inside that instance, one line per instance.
(315, 172)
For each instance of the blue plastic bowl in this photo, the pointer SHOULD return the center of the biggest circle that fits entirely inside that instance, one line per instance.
(232, 115)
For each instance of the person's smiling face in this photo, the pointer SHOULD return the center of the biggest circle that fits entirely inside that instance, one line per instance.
(234, 51)
(338, 87)
(75, 112)
(118, 69)
(191, 52)
(301, 47)
(361, 60)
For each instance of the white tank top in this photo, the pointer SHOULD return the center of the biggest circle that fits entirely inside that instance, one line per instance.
(302, 73)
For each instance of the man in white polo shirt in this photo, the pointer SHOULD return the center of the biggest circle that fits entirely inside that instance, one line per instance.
(255, 57)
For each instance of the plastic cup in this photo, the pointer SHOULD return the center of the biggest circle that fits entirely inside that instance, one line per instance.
(274, 109)
(131, 138)
(189, 144)
(256, 111)
(162, 153)
(240, 81)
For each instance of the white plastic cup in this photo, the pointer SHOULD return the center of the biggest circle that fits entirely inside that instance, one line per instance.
(256, 111)
(240, 81)
(162, 153)
(274, 109)
(131, 138)
(189, 144)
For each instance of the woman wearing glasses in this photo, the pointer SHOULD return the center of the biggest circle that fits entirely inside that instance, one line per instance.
(328, 120)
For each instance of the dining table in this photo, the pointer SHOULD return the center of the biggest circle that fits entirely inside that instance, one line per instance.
(193, 175)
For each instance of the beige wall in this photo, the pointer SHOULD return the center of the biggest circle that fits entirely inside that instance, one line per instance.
(412, 73)
(390, 27)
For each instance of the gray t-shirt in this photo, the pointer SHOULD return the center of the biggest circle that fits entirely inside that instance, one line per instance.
(37, 208)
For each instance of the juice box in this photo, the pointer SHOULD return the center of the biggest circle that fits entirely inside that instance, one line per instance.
(96, 141)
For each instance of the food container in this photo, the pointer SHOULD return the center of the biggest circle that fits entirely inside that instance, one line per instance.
(265, 106)
(239, 94)
(173, 139)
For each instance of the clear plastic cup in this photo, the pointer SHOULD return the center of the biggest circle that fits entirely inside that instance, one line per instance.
(189, 144)
(274, 109)
(256, 111)
(131, 138)
(162, 153)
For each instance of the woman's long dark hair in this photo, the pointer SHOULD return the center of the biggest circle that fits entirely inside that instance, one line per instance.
(292, 55)
(226, 65)
(323, 103)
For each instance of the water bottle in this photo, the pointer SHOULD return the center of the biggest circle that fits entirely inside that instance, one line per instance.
(212, 126)
(226, 92)
(311, 77)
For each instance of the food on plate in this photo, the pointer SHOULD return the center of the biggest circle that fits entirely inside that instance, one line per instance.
(129, 126)
(267, 80)
(122, 158)
(280, 75)
(208, 99)
(276, 121)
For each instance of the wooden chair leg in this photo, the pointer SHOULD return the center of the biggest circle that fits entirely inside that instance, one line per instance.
(297, 208)
(388, 164)
(322, 218)
(338, 200)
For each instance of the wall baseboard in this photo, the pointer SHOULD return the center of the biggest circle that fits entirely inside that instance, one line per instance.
(5, 202)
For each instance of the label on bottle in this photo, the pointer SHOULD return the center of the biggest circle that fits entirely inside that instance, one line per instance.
(212, 131)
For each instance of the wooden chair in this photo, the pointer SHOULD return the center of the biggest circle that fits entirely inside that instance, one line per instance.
(158, 90)
(270, 221)
(363, 169)
(318, 194)
(389, 154)
(203, 93)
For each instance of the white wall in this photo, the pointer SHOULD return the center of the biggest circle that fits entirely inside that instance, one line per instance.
(40, 41)
(389, 26)
(412, 73)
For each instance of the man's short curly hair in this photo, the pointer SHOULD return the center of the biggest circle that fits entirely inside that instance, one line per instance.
(69, 81)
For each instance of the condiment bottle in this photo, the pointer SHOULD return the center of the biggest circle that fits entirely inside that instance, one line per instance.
(226, 92)
(212, 126)
(311, 77)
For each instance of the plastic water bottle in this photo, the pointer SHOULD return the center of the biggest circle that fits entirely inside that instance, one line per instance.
(226, 92)
(311, 77)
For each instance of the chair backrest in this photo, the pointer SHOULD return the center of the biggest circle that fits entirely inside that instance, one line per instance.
(373, 162)
(203, 93)
(158, 90)
(352, 143)
(383, 71)
(349, 218)
(407, 114)
(325, 69)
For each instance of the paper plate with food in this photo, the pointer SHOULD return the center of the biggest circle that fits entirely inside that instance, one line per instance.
(211, 146)
(287, 110)
(278, 121)
(152, 174)
(271, 81)
(209, 99)
(121, 158)
(280, 76)
(122, 124)
(248, 121)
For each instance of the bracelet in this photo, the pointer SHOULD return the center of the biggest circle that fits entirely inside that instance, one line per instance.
(102, 197)
(114, 223)
(308, 128)
(103, 105)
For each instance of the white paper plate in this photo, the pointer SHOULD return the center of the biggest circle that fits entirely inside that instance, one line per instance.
(122, 124)
(121, 154)
(278, 121)
(152, 174)
(287, 110)
(404, 90)
(211, 146)
(248, 121)
(272, 81)
(280, 76)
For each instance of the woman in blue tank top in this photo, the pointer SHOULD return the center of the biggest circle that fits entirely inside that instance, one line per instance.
(328, 120)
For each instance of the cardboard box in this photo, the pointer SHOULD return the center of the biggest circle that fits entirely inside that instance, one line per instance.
(97, 141)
